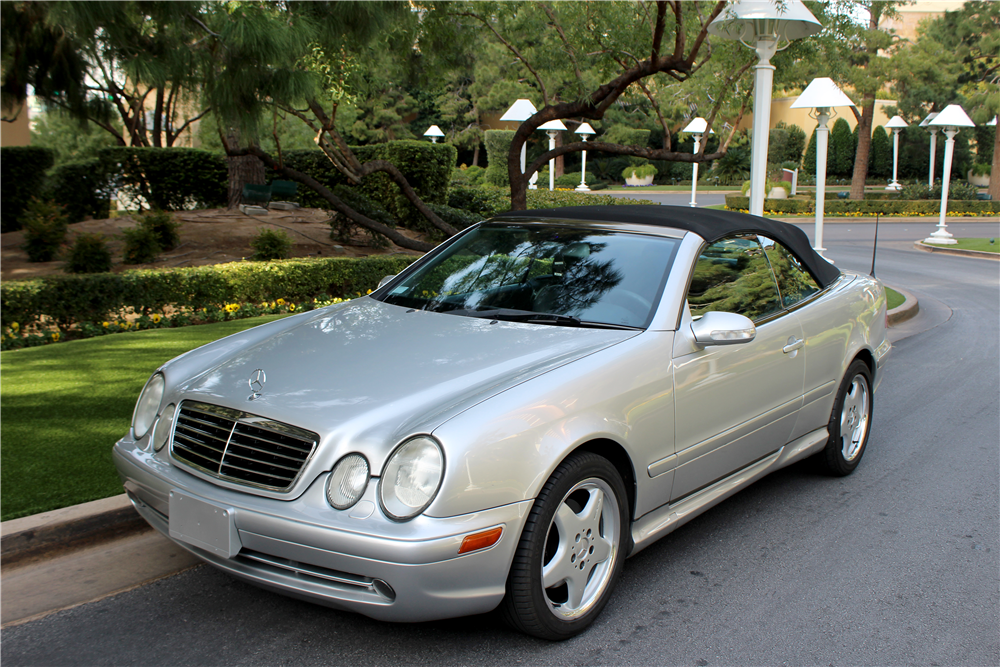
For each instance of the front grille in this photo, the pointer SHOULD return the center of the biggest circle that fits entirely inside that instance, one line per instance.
(240, 447)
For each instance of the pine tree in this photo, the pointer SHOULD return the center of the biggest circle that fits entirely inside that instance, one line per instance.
(880, 165)
(840, 156)
(809, 159)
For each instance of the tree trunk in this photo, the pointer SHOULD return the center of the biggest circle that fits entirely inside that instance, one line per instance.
(864, 147)
(560, 161)
(243, 170)
(995, 167)
(475, 156)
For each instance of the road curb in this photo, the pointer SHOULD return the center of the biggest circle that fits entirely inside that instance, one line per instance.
(927, 247)
(905, 311)
(43, 535)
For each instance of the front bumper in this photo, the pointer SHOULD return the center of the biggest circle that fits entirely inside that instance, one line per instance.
(356, 559)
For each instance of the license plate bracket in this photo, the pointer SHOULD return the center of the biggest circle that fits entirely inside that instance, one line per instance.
(204, 524)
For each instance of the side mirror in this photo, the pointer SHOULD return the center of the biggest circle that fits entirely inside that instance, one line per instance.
(385, 281)
(715, 328)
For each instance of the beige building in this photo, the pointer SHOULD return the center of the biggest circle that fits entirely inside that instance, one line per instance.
(17, 133)
(912, 14)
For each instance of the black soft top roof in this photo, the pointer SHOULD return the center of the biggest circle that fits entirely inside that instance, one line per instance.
(709, 224)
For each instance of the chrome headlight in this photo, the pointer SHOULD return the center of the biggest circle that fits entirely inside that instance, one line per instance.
(348, 481)
(148, 406)
(411, 478)
(162, 429)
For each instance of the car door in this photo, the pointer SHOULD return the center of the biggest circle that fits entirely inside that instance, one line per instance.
(735, 404)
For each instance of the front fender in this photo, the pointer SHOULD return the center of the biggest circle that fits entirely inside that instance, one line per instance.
(504, 449)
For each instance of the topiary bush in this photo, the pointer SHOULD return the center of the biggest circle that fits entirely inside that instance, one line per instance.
(89, 254)
(270, 244)
(456, 217)
(142, 245)
(497, 150)
(22, 176)
(44, 230)
(486, 200)
(342, 227)
(164, 227)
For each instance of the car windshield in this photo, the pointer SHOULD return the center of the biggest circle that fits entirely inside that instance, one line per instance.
(543, 274)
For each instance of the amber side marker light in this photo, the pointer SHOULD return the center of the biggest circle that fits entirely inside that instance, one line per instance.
(482, 540)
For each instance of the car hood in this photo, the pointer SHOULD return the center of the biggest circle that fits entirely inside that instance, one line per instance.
(366, 375)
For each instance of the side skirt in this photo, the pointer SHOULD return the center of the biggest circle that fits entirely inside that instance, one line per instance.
(666, 518)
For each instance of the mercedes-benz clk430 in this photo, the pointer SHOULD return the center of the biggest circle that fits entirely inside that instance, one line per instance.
(507, 420)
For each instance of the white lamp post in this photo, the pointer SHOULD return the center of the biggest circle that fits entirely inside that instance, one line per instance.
(951, 120)
(926, 122)
(896, 124)
(521, 111)
(434, 132)
(552, 128)
(762, 25)
(822, 95)
(697, 129)
(584, 131)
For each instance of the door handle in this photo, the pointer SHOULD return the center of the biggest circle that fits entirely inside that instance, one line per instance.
(793, 344)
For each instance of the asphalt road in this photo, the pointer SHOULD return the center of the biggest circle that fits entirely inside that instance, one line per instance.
(896, 564)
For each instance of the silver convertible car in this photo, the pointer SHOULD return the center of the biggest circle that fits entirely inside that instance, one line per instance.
(512, 416)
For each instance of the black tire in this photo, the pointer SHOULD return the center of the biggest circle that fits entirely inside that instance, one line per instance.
(591, 535)
(850, 422)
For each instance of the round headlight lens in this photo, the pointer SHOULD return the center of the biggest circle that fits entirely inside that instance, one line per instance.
(162, 429)
(411, 478)
(148, 406)
(347, 482)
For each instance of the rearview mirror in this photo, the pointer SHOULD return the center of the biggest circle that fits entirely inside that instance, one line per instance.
(715, 328)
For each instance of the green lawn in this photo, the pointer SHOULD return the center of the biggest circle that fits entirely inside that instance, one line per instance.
(673, 188)
(63, 406)
(983, 245)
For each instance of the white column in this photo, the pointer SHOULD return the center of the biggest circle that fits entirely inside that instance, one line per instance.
(694, 174)
(763, 81)
(894, 185)
(942, 236)
(822, 140)
(552, 162)
(583, 170)
(930, 179)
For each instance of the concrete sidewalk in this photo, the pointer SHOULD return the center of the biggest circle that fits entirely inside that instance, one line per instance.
(66, 557)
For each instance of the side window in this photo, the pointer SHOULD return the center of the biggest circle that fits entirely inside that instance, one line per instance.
(733, 275)
(794, 282)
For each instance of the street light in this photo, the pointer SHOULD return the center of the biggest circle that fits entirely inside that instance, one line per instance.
(521, 111)
(584, 130)
(896, 124)
(434, 132)
(951, 120)
(822, 95)
(762, 25)
(552, 128)
(926, 122)
(697, 129)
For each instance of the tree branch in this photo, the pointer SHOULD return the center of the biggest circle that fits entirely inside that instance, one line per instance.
(512, 49)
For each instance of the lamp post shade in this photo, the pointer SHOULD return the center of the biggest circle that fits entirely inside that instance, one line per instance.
(762, 26)
(584, 131)
(950, 120)
(822, 94)
(434, 132)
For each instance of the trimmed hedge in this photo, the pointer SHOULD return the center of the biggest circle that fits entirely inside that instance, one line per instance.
(71, 300)
(82, 189)
(868, 206)
(22, 176)
(170, 179)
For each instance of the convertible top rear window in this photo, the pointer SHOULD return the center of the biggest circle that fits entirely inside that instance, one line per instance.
(524, 272)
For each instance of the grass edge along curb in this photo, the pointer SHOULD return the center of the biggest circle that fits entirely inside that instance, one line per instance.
(68, 305)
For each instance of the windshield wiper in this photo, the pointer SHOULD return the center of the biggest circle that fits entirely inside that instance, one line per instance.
(531, 317)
